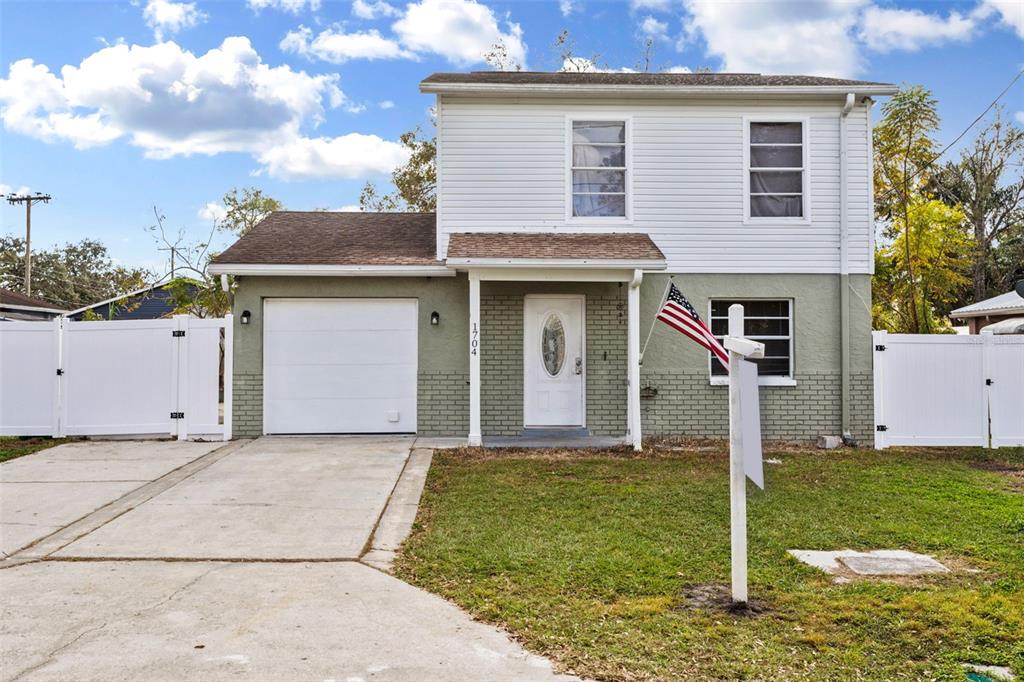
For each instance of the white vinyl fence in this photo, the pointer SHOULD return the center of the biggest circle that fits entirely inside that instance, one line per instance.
(122, 377)
(939, 389)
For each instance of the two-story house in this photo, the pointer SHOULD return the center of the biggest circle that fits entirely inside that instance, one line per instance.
(566, 203)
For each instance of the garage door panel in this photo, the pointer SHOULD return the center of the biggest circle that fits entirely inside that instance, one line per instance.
(340, 365)
(343, 314)
(340, 348)
(353, 415)
(367, 381)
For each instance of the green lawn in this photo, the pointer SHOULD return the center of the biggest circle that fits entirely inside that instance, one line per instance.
(15, 446)
(586, 558)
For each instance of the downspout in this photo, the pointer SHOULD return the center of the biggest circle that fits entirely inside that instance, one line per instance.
(844, 268)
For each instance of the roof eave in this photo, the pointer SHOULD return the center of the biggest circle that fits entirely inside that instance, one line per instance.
(560, 263)
(329, 270)
(652, 90)
(965, 314)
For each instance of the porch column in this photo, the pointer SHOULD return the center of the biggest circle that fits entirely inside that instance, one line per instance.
(633, 355)
(475, 439)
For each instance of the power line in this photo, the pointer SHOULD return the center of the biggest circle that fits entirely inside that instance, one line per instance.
(973, 123)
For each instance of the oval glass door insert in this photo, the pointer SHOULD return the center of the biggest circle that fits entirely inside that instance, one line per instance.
(552, 343)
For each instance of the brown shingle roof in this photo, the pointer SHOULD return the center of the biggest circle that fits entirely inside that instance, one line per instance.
(542, 245)
(8, 297)
(649, 79)
(337, 238)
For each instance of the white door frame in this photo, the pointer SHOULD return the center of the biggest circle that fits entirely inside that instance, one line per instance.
(583, 354)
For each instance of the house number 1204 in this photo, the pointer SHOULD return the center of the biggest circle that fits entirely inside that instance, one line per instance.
(474, 340)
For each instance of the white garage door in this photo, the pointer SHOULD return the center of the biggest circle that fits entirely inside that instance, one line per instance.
(339, 365)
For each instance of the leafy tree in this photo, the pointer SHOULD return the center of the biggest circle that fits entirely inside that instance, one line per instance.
(994, 208)
(71, 276)
(939, 241)
(904, 150)
(244, 210)
(415, 181)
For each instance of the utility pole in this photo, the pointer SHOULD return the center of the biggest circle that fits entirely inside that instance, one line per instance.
(28, 200)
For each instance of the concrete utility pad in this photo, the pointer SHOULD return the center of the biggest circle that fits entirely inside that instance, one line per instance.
(45, 491)
(275, 498)
(228, 621)
(880, 562)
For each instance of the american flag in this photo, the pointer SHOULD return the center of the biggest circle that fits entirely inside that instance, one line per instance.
(677, 313)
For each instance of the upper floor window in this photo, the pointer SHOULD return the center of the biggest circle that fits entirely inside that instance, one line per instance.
(775, 169)
(598, 172)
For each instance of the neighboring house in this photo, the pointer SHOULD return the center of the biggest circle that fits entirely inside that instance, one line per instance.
(18, 306)
(148, 303)
(566, 203)
(1001, 309)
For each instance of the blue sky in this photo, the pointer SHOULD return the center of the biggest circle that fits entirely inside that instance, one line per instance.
(113, 108)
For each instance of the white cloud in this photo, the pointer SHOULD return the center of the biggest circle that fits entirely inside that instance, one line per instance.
(373, 10)
(1011, 13)
(653, 28)
(170, 102)
(1020, 117)
(212, 212)
(167, 17)
(348, 156)
(387, 104)
(650, 5)
(459, 30)
(347, 208)
(678, 69)
(337, 47)
(291, 6)
(565, 7)
(6, 189)
(787, 36)
(885, 30)
(584, 65)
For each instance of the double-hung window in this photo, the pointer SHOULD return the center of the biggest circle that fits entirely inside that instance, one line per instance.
(598, 169)
(767, 321)
(776, 173)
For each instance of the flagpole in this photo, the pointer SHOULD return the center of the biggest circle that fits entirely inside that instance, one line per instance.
(654, 321)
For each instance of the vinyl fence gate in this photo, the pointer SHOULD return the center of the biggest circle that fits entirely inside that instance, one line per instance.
(122, 377)
(939, 389)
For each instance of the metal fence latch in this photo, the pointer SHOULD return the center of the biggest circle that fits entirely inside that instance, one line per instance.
(178, 332)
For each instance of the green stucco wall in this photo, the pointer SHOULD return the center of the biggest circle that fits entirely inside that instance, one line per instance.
(443, 366)
(674, 372)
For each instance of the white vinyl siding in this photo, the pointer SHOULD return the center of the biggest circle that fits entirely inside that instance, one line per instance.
(503, 167)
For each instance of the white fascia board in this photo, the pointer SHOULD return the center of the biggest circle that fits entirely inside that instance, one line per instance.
(284, 270)
(114, 299)
(559, 264)
(986, 313)
(654, 90)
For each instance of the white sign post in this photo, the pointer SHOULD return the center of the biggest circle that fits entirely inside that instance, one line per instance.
(744, 441)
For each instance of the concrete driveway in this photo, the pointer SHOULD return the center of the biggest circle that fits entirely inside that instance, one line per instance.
(246, 561)
(277, 498)
(46, 491)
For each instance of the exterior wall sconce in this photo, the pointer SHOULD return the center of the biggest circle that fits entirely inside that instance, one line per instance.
(244, 319)
(435, 318)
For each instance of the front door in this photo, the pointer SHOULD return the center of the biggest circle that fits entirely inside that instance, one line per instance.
(553, 361)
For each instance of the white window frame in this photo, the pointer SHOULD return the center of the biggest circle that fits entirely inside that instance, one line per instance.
(805, 124)
(598, 220)
(761, 380)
